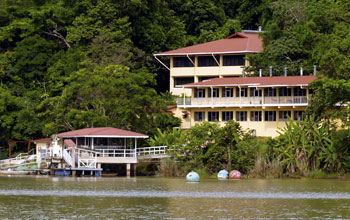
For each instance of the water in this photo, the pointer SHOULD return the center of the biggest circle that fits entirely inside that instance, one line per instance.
(42, 197)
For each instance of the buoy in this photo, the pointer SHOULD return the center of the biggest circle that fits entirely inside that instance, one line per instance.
(192, 177)
(223, 174)
(235, 174)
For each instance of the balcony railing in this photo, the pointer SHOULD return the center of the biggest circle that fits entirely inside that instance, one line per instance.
(285, 100)
(245, 101)
(184, 101)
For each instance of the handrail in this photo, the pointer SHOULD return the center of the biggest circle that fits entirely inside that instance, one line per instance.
(67, 157)
(152, 150)
(253, 101)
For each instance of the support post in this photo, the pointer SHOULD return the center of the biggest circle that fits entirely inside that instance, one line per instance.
(73, 161)
(28, 148)
(135, 169)
(128, 170)
(10, 147)
(135, 148)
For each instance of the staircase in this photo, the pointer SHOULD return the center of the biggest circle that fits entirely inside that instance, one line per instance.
(22, 159)
(67, 157)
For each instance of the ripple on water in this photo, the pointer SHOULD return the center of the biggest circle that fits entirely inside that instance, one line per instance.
(179, 194)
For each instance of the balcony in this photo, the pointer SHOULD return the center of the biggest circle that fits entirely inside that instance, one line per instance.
(242, 101)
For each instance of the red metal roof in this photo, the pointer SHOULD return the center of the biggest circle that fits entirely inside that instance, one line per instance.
(235, 43)
(102, 132)
(256, 81)
(41, 140)
(69, 143)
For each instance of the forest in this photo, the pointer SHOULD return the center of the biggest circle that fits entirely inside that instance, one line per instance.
(73, 64)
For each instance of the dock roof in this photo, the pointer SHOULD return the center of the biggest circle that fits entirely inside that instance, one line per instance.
(233, 44)
(274, 81)
(102, 132)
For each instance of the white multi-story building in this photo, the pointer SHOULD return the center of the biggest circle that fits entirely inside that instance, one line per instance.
(208, 80)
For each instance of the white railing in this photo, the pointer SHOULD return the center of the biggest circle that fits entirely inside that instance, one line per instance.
(253, 101)
(184, 101)
(86, 158)
(88, 163)
(116, 152)
(67, 157)
(19, 159)
(285, 100)
(151, 150)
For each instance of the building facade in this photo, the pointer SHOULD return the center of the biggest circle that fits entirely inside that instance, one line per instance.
(209, 82)
(221, 58)
(262, 104)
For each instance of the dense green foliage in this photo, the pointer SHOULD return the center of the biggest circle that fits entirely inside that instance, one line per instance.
(301, 149)
(73, 64)
(209, 148)
(304, 34)
(305, 147)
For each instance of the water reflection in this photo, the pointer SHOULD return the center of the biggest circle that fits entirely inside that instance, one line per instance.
(159, 198)
(178, 194)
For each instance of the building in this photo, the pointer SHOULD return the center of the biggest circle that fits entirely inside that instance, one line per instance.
(210, 84)
(220, 58)
(262, 104)
(216, 59)
(85, 150)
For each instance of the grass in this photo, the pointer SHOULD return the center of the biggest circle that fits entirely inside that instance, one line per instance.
(319, 174)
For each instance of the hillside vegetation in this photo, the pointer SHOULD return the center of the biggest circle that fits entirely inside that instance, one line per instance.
(73, 64)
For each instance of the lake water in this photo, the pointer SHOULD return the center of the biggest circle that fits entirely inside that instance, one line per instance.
(43, 197)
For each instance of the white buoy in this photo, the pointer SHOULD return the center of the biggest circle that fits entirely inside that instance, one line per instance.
(222, 175)
(192, 177)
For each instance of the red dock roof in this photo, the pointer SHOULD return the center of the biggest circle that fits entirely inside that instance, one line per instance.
(41, 140)
(235, 43)
(102, 132)
(276, 81)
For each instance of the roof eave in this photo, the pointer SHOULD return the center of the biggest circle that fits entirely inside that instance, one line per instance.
(249, 85)
(103, 136)
(206, 53)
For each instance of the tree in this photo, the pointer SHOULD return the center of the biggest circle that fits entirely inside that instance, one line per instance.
(108, 96)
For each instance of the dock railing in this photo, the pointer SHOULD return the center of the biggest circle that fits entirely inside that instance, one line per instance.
(151, 150)
(116, 152)
(86, 158)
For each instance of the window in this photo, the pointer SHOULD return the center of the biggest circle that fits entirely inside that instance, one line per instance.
(298, 115)
(234, 60)
(199, 116)
(182, 62)
(255, 116)
(199, 93)
(241, 116)
(208, 61)
(244, 92)
(179, 81)
(269, 92)
(285, 92)
(213, 116)
(202, 78)
(227, 116)
(283, 115)
(270, 115)
(215, 92)
(227, 92)
(299, 91)
(254, 92)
